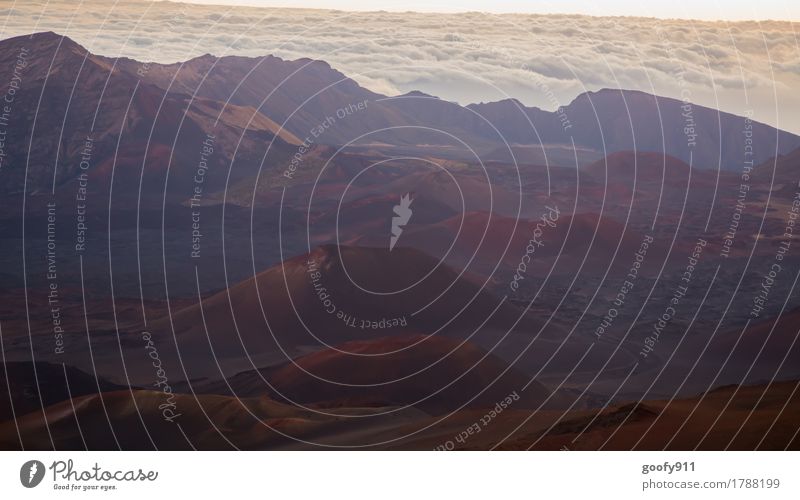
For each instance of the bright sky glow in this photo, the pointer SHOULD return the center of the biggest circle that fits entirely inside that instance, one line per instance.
(732, 10)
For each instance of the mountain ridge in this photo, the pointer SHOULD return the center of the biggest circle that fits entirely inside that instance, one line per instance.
(308, 100)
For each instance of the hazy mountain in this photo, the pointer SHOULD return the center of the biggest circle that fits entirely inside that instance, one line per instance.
(132, 109)
(68, 95)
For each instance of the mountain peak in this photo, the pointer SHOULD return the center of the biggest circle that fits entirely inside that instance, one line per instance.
(418, 93)
(43, 39)
(509, 101)
(610, 92)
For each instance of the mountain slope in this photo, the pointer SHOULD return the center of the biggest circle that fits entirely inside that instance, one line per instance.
(335, 294)
(74, 106)
(256, 99)
(435, 374)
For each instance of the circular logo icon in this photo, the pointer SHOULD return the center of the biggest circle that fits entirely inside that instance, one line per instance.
(31, 473)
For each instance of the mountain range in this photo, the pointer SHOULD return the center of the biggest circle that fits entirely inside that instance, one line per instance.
(225, 223)
(148, 116)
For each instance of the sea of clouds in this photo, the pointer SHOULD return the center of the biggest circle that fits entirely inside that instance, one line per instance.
(542, 60)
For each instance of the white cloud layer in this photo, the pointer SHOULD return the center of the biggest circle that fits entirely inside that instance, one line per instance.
(542, 60)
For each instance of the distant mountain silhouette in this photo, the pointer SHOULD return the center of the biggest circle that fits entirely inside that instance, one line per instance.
(68, 95)
(132, 109)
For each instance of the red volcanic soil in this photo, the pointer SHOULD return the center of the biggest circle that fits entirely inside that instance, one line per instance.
(367, 221)
(683, 423)
(21, 380)
(648, 166)
(207, 422)
(432, 373)
(403, 291)
(758, 417)
(487, 236)
(598, 242)
(771, 340)
(127, 164)
(626, 169)
(462, 192)
(785, 168)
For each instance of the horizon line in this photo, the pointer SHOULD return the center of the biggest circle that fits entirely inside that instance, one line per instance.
(282, 4)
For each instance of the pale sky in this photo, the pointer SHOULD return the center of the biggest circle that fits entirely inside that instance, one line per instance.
(732, 10)
(543, 60)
